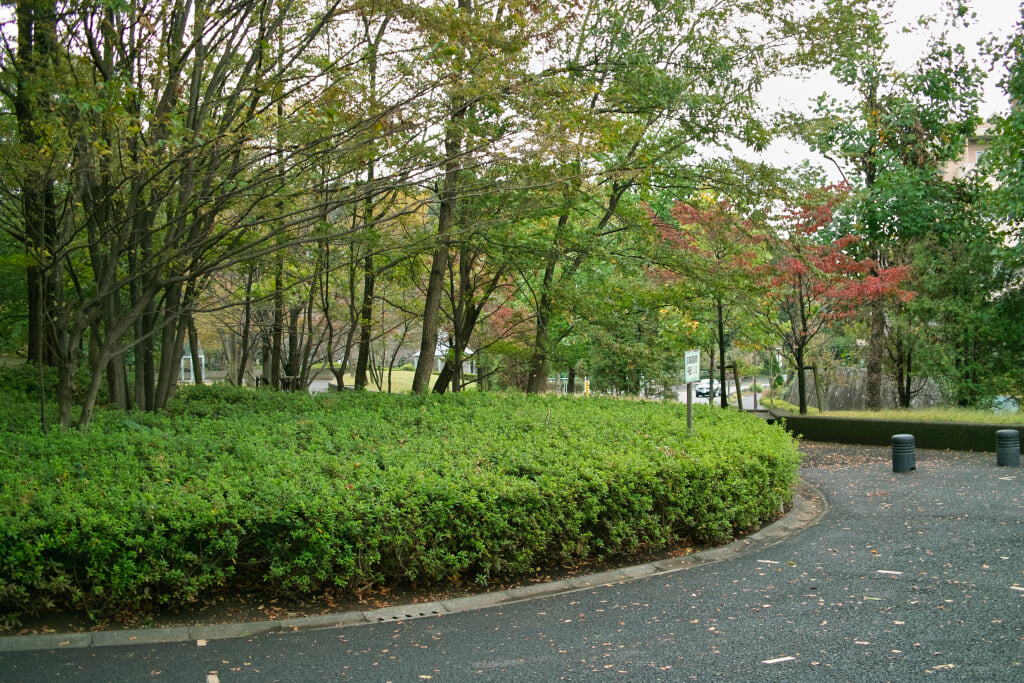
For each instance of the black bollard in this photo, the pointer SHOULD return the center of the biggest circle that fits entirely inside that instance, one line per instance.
(903, 453)
(1008, 448)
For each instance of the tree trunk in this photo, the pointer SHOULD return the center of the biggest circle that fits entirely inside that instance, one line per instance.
(277, 328)
(244, 351)
(721, 354)
(431, 311)
(293, 365)
(801, 381)
(365, 324)
(445, 222)
(711, 375)
(539, 363)
(353, 323)
(193, 347)
(908, 380)
(117, 383)
(451, 372)
(145, 356)
(902, 368)
(34, 93)
(172, 342)
(467, 306)
(876, 332)
(876, 349)
(66, 389)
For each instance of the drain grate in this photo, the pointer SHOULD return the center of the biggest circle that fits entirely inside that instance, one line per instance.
(405, 612)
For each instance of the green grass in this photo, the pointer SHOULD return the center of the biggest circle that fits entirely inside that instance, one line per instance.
(401, 382)
(944, 414)
(785, 406)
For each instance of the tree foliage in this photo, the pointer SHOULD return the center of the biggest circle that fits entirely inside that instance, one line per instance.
(327, 183)
(713, 251)
(892, 137)
(812, 281)
(969, 291)
(1002, 159)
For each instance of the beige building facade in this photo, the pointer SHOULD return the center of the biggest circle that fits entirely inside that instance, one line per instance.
(976, 146)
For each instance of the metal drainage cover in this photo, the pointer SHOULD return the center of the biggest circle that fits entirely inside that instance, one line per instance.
(415, 611)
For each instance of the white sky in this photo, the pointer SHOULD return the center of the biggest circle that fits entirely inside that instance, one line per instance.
(994, 18)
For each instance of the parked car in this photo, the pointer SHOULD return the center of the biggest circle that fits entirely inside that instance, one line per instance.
(704, 388)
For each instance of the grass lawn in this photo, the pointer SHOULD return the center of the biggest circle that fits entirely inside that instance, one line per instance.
(943, 414)
(401, 382)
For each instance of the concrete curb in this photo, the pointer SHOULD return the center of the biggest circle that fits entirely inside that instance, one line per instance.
(809, 505)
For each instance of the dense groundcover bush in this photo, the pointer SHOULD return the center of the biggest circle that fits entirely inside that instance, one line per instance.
(233, 487)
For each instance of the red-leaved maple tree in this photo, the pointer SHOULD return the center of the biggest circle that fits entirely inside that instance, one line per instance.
(811, 282)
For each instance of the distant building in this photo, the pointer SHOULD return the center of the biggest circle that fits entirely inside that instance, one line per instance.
(441, 353)
(187, 373)
(974, 150)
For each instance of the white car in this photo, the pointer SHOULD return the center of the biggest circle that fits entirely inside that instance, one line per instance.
(704, 387)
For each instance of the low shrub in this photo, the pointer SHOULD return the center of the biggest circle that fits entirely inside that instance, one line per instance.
(26, 381)
(233, 487)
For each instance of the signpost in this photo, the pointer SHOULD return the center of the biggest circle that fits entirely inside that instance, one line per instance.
(691, 374)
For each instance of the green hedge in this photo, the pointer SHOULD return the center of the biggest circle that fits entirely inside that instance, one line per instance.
(239, 488)
(957, 436)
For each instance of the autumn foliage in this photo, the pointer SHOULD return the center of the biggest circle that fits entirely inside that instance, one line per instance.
(825, 273)
(802, 281)
(811, 282)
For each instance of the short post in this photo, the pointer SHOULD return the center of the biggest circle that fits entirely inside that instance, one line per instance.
(817, 388)
(903, 453)
(691, 374)
(1008, 448)
(736, 379)
(689, 407)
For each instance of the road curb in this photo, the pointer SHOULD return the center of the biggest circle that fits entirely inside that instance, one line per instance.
(809, 505)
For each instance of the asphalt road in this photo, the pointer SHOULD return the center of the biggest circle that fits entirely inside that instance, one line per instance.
(904, 577)
(749, 401)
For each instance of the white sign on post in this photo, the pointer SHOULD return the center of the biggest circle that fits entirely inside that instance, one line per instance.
(691, 374)
(691, 367)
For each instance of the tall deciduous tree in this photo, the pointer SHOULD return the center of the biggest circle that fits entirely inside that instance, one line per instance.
(479, 53)
(969, 291)
(713, 249)
(893, 138)
(165, 163)
(1004, 159)
(644, 85)
(36, 77)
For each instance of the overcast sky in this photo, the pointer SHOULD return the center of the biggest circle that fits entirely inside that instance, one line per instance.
(993, 18)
